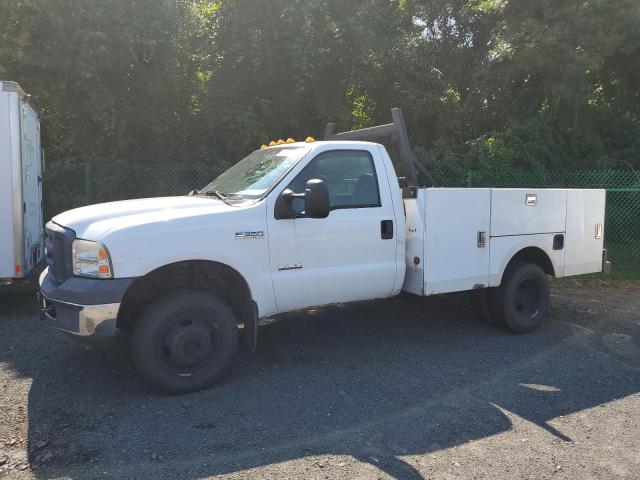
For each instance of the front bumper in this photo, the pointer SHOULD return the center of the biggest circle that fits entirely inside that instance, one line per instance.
(83, 307)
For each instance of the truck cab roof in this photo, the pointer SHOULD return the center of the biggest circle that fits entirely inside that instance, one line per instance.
(320, 143)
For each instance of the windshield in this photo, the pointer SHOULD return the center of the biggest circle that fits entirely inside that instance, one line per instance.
(256, 174)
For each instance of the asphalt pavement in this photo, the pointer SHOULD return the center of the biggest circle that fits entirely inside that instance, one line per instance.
(403, 388)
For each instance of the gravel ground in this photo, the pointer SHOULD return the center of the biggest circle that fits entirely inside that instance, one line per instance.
(400, 388)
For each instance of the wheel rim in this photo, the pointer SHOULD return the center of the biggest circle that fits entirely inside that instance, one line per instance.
(527, 298)
(188, 345)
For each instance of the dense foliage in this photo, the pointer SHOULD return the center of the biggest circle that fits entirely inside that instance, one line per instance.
(483, 83)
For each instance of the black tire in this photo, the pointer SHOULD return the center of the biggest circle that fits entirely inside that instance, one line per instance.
(523, 300)
(185, 341)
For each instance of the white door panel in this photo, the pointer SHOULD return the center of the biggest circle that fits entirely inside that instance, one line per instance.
(512, 214)
(454, 218)
(585, 214)
(31, 186)
(7, 193)
(340, 258)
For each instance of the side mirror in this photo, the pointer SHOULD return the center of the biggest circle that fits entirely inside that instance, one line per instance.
(316, 199)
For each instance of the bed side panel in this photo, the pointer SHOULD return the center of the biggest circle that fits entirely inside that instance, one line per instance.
(414, 225)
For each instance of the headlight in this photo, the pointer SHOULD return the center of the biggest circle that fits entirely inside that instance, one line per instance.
(91, 259)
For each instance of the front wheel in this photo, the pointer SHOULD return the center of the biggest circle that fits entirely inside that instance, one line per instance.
(522, 301)
(185, 341)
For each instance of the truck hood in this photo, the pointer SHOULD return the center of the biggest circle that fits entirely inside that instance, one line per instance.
(94, 221)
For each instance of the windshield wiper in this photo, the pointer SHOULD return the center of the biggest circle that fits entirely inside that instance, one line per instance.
(222, 196)
(215, 193)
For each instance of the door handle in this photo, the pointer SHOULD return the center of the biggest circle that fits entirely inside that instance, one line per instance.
(482, 239)
(386, 229)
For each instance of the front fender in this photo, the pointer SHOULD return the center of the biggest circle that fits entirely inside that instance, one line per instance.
(135, 254)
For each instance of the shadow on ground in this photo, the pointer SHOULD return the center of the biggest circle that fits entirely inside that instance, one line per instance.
(376, 381)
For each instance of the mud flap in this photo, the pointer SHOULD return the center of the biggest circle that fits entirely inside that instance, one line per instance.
(250, 330)
(482, 304)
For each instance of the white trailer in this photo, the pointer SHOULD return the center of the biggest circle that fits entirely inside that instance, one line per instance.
(21, 167)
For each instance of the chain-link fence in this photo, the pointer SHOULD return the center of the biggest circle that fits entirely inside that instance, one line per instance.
(68, 186)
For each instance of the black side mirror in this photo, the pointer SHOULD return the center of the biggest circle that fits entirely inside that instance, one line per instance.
(316, 201)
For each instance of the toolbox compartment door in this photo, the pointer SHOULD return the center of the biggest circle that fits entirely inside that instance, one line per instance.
(457, 224)
(519, 211)
(585, 231)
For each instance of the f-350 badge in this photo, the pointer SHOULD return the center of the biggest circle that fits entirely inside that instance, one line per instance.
(249, 235)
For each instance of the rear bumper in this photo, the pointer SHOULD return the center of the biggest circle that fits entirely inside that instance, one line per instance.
(85, 308)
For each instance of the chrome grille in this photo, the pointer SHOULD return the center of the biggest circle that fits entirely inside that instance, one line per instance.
(58, 244)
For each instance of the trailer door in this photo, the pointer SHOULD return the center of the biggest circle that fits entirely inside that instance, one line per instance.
(457, 239)
(31, 187)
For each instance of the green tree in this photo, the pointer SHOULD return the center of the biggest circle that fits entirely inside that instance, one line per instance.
(483, 83)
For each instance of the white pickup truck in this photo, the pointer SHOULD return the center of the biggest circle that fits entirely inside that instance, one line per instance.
(301, 224)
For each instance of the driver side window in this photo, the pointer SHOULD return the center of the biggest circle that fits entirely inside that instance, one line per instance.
(350, 177)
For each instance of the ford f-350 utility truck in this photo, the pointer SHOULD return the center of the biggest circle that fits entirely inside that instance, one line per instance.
(302, 224)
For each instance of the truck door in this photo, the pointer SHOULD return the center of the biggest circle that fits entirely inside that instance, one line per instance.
(457, 239)
(31, 186)
(350, 255)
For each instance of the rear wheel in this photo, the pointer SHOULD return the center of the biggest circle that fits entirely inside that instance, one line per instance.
(522, 302)
(185, 341)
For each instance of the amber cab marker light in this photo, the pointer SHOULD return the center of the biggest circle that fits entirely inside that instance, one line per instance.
(280, 142)
(272, 143)
(310, 139)
(262, 147)
(290, 140)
